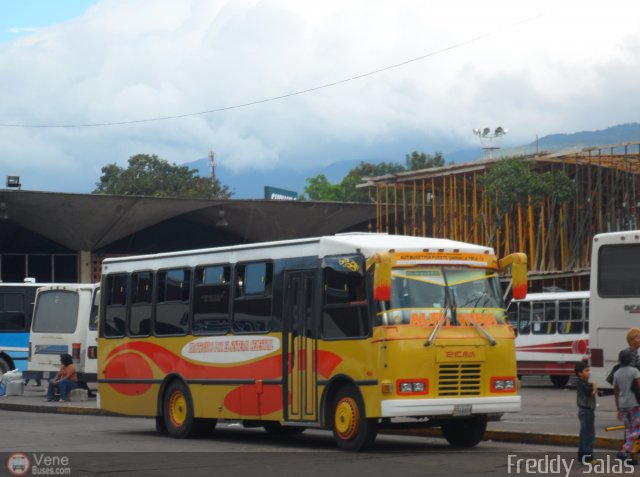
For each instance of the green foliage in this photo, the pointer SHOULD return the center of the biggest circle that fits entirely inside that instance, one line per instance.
(148, 175)
(419, 160)
(511, 181)
(319, 187)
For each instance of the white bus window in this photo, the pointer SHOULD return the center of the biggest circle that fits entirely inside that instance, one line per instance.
(172, 310)
(586, 316)
(211, 296)
(619, 271)
(543, 318)
(570, 317)
(56, 312)
(524, 318)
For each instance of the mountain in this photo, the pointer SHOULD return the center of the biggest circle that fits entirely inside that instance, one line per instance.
(251, 185)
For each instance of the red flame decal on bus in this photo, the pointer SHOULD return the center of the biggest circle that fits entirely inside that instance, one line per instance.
(127, 362)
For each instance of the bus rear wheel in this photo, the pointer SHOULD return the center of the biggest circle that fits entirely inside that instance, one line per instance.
(4, 367)
(352, 430)
(467, 432)
(559, 381)
(178, 414)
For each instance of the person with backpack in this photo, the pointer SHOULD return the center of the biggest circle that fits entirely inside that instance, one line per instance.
(626, 402)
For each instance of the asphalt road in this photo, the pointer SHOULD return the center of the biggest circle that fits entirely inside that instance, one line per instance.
(58, 444)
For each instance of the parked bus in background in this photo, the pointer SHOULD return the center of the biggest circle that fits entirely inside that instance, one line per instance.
(615, 299)
(16, 309)
(352, 332)
(65, 320)
(552, 333)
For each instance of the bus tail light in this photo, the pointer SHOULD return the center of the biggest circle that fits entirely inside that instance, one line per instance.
(503, 384)
(92, 352)
(597, 358)
(75, 351)
(412, 386)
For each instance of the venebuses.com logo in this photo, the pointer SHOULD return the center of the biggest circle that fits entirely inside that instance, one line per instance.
(20, 463)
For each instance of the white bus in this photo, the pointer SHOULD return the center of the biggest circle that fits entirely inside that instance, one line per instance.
(615, 298)
(65, 320)
(551, 333)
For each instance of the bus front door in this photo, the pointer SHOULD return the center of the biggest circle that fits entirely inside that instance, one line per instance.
(300, 347)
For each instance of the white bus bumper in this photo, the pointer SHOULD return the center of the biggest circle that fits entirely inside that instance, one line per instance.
(449, 406)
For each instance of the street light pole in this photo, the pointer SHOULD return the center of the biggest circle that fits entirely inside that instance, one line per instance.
(487, 135)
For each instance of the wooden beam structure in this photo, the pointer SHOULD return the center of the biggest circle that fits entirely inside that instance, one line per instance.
(449, 202)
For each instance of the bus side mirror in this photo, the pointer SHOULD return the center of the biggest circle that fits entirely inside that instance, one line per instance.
(518, 263)
(382, 277)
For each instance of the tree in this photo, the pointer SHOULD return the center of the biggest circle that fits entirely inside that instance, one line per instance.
(151, 176)
(511, 181)
(419, 160)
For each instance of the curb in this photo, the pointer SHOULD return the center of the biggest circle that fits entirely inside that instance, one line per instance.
(568, 440)
(54, 409)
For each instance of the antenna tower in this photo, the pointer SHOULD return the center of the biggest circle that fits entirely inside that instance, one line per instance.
(212, 166)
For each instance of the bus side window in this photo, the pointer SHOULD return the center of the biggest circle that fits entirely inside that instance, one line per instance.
(570, 317)
(115, 299)
(544, 318)
(586, 316)
(512, 313)
(345, 311)
(253, 300)
(12, 312)
(140, 316)
(211, 296)
(172, 309)
(524, 318)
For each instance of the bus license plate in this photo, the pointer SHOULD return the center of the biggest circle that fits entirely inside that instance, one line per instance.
(45, 375)
(462, 410)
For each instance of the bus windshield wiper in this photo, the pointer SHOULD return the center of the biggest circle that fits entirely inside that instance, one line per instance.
(434, 333)
(492, 340)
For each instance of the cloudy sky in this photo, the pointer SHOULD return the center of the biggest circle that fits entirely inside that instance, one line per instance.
(299, 84)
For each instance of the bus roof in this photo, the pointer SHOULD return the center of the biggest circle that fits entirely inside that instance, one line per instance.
(572, 295)
(366, 243)
(625, 237)
(68, 286)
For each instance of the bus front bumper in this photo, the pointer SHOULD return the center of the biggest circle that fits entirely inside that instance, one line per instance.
(449, 406)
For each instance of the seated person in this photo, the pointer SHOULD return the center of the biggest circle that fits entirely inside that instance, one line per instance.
(65, 381)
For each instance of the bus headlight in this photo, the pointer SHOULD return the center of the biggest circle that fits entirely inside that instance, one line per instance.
(412, 386)
(503, 384)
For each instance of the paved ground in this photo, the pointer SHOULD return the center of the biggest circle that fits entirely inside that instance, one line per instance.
(548, 416)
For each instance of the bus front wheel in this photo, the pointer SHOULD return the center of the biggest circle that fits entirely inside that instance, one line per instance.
(178, 414)
(352, 430)
(466, 432)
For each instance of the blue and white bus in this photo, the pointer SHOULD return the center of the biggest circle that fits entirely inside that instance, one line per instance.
(16, 310)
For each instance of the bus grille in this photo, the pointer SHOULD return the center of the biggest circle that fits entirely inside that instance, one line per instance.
(461, 379)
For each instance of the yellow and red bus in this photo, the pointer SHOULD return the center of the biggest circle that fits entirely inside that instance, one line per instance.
(352, 332)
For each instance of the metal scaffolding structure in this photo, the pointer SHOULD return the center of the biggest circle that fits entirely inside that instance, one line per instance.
(450, 202)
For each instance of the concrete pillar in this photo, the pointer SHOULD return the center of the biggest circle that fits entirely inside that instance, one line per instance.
(86, 272)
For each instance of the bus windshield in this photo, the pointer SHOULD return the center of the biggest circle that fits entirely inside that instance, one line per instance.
(56, 312)
(423, 295)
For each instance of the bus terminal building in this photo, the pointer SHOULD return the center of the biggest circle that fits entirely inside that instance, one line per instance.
(60, 237)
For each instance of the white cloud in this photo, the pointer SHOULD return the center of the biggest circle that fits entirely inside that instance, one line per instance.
(572, 68)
